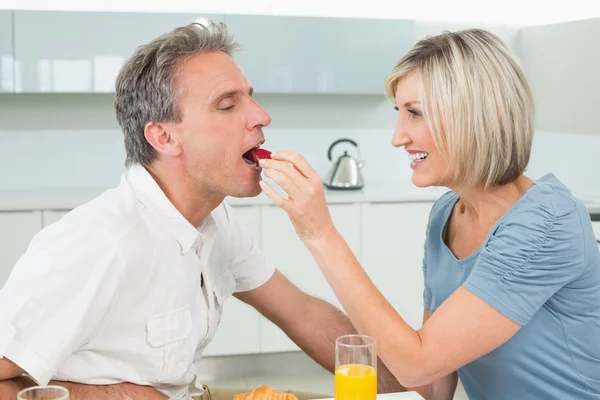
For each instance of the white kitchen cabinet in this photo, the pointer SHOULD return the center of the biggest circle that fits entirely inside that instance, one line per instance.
(290, 256)
(6, 52)
(282, 54)
(393, 238)
(51, 216)
(16, 231)
(239, 329)
(62, 51)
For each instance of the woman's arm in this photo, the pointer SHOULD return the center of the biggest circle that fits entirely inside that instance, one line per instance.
(442, 389)
(463, 329)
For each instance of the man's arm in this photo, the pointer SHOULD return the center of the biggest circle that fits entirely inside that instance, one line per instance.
(9, 369)
(312, 324)
(121, 391)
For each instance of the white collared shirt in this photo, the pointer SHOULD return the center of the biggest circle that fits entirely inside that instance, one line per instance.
(112, 292)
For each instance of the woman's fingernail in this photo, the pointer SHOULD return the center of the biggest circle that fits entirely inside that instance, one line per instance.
(261, 162)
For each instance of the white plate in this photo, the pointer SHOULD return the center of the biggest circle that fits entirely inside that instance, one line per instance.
(397, 396)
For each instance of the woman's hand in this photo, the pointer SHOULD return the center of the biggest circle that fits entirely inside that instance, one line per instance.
(305, 205)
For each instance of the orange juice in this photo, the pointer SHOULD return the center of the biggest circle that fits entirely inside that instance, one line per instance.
(355, 382)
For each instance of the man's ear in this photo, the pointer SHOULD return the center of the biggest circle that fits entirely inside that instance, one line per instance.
(161, 139)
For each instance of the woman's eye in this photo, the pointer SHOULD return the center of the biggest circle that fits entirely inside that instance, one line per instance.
(414, 113)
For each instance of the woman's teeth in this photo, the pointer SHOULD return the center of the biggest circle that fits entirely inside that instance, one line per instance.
(418, 156)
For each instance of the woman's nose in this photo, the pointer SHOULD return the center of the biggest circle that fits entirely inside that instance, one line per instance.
(400, 137)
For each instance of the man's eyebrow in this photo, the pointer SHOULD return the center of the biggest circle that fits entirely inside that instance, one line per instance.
(231, 93)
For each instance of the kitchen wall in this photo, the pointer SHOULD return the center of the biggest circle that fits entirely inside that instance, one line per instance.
(73, 140)
(563, 61)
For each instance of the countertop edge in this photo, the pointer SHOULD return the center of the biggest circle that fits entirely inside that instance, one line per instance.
(67, 199)
(63, 199)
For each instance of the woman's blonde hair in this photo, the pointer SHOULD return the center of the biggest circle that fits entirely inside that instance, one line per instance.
(477, 102)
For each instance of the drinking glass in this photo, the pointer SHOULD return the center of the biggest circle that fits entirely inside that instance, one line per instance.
(44, 393)
(355, 368)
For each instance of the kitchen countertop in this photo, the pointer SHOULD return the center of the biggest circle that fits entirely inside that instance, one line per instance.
(596, 228)
(69, 198)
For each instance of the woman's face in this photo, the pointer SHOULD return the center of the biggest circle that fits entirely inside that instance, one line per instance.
(412, 133)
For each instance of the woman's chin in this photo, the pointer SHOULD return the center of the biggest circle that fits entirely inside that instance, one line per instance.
(421, 181)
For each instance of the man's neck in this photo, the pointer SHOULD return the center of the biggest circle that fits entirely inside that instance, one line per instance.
(183, 193)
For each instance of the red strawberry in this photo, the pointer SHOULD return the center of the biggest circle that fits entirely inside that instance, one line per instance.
(262, 153)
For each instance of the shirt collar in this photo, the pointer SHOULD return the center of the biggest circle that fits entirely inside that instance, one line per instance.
(151, 196)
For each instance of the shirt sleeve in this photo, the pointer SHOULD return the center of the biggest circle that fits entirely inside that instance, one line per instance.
(248, 264)
(529, 258)
(426, 289)
(56, 297)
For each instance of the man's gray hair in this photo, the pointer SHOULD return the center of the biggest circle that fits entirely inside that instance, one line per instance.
(146, 88)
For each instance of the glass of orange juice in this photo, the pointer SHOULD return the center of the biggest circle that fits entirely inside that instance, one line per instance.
(355, 368)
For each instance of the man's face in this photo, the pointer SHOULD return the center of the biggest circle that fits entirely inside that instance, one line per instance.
(220, 125)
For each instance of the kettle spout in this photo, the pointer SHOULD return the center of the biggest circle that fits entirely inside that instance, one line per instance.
(360, 164)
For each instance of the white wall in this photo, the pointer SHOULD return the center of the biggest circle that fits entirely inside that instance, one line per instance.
(74, 140)
(55, 141)
(36, 154)
(572, 157)
(562, 63)
(508, 33)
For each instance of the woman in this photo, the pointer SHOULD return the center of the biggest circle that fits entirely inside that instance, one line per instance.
(512, 273)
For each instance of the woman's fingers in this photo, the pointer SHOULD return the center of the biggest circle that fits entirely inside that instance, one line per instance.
(288, 170)
(285, 182)
(297, 161)
(275, 197)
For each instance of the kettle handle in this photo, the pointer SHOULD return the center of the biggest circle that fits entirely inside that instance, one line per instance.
(337, 142)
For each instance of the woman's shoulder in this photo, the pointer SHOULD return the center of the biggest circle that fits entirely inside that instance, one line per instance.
(550, 194)
(547, 213)
(547, 201)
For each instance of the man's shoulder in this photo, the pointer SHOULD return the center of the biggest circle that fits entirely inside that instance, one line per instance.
(112, 214)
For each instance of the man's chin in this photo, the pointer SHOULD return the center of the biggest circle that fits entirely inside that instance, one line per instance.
(245, 192)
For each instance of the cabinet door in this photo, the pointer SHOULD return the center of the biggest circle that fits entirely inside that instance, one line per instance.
(239, 329)
(6, 52)
(393, 238)
(61, 51)
(290, 256)
(282, 54)
(51, 216)
(16, 231)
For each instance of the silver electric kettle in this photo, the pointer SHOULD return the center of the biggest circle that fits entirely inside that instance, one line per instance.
(345, 174)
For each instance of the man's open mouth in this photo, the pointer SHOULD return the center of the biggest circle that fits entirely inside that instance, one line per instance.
(250, 156)
(254, 154)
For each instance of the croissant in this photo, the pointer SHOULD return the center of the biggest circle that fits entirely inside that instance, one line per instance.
(265, 393)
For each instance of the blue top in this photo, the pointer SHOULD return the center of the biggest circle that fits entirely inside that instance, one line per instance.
(540, 267)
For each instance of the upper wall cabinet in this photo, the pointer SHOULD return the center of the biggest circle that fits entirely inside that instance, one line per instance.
(81, 51)
(319, 55)
(6, 52)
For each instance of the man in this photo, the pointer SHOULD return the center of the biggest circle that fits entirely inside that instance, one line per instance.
(119, 297)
